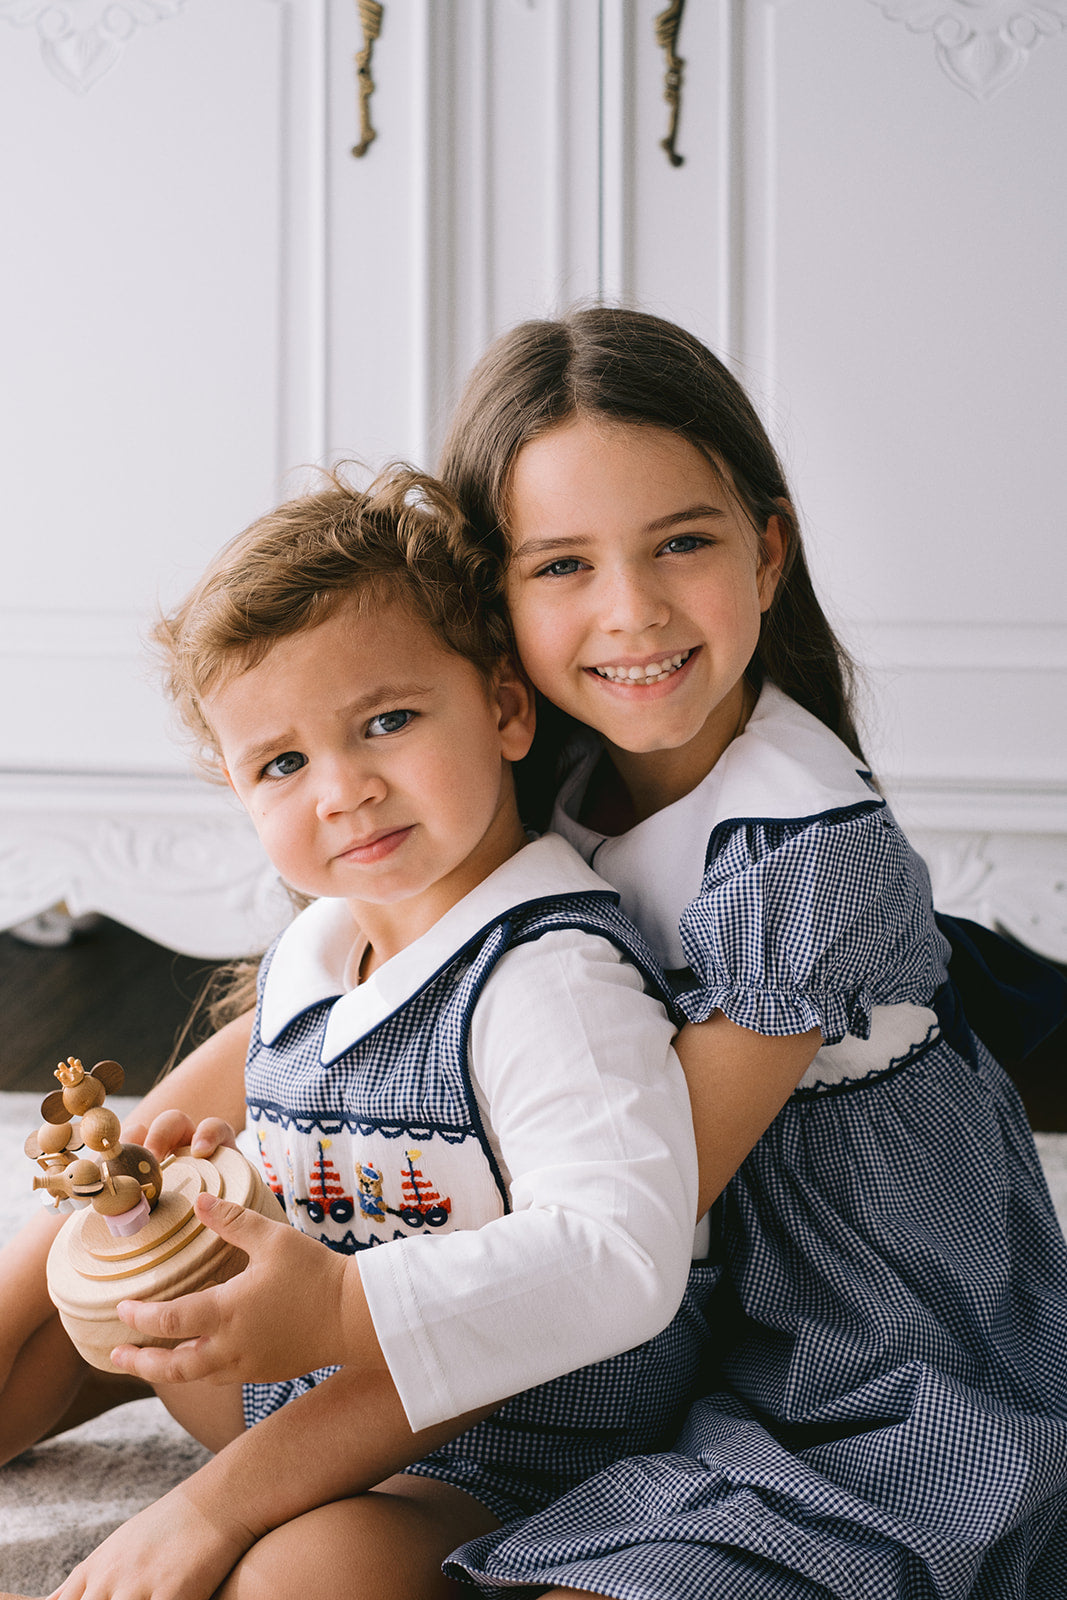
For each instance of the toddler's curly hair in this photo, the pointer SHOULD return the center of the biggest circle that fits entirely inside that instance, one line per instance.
(402, 539)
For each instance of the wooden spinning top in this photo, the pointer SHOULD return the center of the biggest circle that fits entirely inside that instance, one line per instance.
(90, 1269)
(137, 1237)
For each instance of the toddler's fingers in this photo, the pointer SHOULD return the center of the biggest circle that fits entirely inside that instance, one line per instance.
(169, 1131)
(185, 1318)
(237, 1225)
(186, 1363)
(210, 1134)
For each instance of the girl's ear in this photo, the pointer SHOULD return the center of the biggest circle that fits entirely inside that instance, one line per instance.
(774, 547)
(514, 698)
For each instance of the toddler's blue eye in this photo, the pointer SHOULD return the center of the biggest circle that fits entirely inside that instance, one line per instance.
(388, 722)
(563, 568)
(284, 766)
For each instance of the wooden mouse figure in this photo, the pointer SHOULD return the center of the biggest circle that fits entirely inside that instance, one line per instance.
(136, 1234)
(128, 1181)
(81, 1090)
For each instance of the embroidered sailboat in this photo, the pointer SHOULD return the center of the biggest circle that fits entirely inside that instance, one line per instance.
(273, 1181)
(421, 1201)
(326, 1192)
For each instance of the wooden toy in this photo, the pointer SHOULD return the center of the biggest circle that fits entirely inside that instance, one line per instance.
(134, 1234)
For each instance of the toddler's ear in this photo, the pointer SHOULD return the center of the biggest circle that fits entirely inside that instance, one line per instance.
(514, 697)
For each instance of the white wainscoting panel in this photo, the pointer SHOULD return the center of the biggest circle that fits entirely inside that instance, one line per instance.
(210, 292)
(174, 859)
(904, 247)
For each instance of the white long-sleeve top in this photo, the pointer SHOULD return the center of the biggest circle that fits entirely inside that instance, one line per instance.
(585, 1109)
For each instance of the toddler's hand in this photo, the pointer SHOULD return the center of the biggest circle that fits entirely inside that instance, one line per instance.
(292, 1309)
(173, 1130)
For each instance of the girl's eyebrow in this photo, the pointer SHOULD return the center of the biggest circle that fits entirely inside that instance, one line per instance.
(541, 547)
(690, 514)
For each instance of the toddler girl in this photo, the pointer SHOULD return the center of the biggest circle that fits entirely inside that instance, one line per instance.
(458, 1059)
(890, 1415)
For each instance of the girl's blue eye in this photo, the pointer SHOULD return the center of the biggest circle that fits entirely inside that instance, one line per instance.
(284, 766)
(389, 722)
(683, 543)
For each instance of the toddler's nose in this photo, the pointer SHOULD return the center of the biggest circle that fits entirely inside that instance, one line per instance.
(347, 785)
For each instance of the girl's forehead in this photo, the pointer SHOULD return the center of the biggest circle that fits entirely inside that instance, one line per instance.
(589, 458)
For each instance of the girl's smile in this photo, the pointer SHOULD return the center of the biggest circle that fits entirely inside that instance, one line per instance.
(373, 762)
(636, 586)
(641, 674)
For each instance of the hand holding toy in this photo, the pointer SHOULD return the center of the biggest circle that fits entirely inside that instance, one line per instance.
(134, 1233)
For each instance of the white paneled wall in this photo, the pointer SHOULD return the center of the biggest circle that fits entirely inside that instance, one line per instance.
(206, 292)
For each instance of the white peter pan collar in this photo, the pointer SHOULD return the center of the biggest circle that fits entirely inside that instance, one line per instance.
(313, 954)
(785, 766)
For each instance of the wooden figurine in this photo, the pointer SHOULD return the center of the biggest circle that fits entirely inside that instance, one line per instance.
(81, 1090)
(50, 1148)
(136, 1236)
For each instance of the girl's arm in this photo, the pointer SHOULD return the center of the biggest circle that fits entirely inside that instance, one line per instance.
(738, 1082)
(339, 1440)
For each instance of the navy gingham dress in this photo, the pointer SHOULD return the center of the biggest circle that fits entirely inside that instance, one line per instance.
(888, 1420)
(323, 1125)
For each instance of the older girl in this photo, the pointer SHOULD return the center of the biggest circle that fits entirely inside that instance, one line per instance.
(890, 1417)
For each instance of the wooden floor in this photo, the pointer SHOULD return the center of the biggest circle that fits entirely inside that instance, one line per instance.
(114, 994)
(110, 994)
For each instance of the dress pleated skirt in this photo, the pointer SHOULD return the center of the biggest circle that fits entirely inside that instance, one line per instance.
(889, 1420)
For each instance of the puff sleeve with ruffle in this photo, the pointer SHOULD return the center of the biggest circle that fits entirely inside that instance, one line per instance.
(809, 924)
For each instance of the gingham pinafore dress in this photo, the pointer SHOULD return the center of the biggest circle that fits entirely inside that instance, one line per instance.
(889, 1420)
(386, 1141)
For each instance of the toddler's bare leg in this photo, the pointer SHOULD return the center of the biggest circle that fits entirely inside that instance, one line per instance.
(212, 1413)
(45, 1386)
(389, 1543)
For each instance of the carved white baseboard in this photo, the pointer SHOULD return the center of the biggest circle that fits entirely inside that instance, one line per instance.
(178, 861)
(172, 858)
(1012, 881)
(997, 853)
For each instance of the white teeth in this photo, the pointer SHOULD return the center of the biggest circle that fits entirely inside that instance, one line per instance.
(650, 674)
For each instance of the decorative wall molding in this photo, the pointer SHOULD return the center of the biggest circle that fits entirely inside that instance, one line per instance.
(82, 40)
(172, 858)
(1014, 882)
(952, 646)
(981, 45)
(985, 805)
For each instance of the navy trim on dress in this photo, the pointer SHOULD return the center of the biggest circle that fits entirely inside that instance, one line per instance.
(794, 824)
